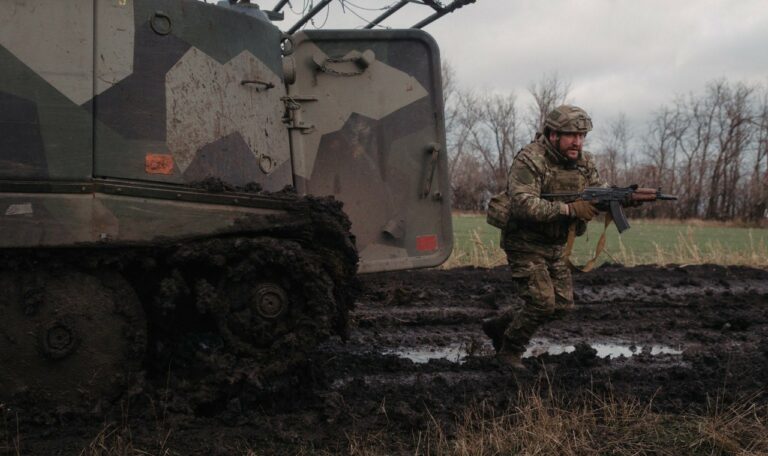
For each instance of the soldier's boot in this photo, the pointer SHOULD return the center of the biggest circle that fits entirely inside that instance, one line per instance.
(494, 328)
(511, 356)
(513, 360)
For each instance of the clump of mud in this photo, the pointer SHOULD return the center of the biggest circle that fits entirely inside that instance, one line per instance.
(217, 185)
(204, 340)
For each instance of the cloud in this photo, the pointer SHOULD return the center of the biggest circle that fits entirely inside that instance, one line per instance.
(620, 55)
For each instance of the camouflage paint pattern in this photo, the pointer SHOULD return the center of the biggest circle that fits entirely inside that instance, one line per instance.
(379, 119)
(44, 133)
(174, 91)
(186, 99)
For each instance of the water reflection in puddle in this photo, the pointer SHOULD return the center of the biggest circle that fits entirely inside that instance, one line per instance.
(604, 350)
(454, 353)
(458, 352)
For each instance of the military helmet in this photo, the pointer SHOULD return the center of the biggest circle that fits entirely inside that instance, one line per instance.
(568, 119)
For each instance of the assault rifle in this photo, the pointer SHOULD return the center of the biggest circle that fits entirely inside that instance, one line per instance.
(612, 199)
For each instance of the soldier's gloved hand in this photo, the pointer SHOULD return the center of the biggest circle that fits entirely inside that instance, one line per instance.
(584, 210)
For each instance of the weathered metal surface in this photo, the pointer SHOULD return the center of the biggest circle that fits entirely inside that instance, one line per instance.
(46, 70)
(115, 37)
(57, 42)
(176, 91)
(206, 101)
(186, 97)
(60, 220)
(368, 137)
(148, 140)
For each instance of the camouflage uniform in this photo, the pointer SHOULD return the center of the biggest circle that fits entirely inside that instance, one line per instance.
(535, 237)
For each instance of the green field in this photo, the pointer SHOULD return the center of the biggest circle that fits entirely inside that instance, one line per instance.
(476, 242)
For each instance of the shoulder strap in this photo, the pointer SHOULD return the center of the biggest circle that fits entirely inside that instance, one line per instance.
(598, 250)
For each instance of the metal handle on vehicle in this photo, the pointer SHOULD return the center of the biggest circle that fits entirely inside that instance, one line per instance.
(267, 85)
(361, 60)
(434, 150)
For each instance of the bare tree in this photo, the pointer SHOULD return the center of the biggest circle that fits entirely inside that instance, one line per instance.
(615, 158)
(695, 145)
(658, 141)
(469, 184)
(709, 148)
(494, 134)
(451, 104)
(662, 146)
(757, 207)
(548, 93)
(732, 121)
(456, 130)
(699, 148)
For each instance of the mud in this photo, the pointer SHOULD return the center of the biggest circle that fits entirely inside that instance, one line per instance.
(672, 337)
(206, 316)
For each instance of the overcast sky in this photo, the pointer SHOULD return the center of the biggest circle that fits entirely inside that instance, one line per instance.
(620, 56)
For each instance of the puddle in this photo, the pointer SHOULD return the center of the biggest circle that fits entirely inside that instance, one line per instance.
(455, 353)
(604, 350)
(458, 352)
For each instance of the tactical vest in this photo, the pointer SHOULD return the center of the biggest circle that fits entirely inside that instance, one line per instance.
(559, 177)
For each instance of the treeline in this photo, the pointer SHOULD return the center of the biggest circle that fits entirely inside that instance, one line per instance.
(708, 147)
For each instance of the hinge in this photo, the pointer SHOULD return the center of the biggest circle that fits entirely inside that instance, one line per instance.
(293, 110)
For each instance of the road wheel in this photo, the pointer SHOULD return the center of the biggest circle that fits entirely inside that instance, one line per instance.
(277, 297)
(68, 337)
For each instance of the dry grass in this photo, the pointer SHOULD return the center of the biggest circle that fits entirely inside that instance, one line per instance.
(542, 424)
(11, 443)
(545, 426)
(481, 254)
(111, 441)
(117, 440)
(539, 422)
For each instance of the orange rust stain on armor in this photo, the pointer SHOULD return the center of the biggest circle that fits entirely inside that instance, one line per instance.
(158, 164)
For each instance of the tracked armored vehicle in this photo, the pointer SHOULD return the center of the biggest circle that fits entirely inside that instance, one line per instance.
(169, 187)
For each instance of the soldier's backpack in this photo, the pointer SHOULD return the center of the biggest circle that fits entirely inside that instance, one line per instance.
(498, 210)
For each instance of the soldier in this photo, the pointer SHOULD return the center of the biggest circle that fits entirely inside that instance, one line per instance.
(535, 236)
